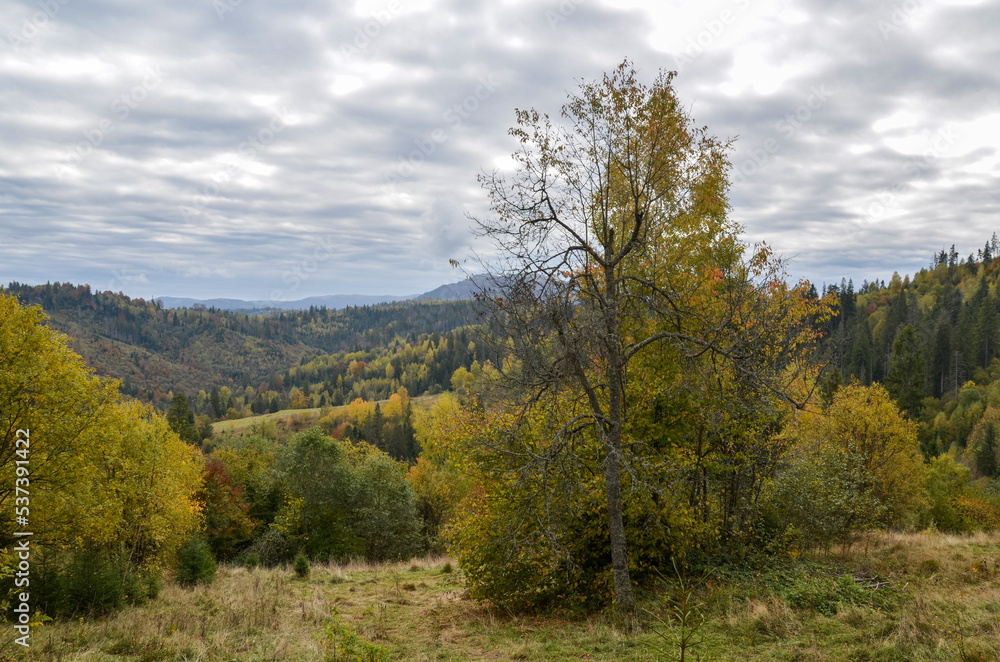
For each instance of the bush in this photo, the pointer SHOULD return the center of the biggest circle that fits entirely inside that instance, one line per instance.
(855, 468)
(385, 517)
(90, 581)
(195, 564)
(343, 643)
(249, 559)
(977, 513)
(268, 551)
(301, 565)
(828, 595)
(945, 481)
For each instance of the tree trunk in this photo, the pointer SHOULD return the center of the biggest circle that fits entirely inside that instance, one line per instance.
(624, 597)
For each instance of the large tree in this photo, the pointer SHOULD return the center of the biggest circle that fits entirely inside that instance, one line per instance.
(621, 292)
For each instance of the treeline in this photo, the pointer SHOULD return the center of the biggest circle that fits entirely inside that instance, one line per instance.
(154, 351)
(425, 366)
(933, 341)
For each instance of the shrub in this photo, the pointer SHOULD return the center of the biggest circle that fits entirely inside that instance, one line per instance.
(301, 565)
(855, 468)
(249, 559)
(977, 513)
(269, 550)
(945, 481)
(386, 518)
(345, 645)
(89, 581)
(828, 595)
(195, 564)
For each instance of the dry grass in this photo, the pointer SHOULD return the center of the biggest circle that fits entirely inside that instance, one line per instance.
(293, 420)
(946, 606)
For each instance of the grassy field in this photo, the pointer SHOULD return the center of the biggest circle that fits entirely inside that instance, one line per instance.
(906, 597)
(298, 419)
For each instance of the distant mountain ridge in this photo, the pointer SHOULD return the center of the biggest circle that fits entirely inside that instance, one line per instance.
(460, 291)
(155, 351)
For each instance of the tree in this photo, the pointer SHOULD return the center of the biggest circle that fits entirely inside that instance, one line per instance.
(617, 261)
(111, 484)
(320, 496)
(385, 516)
(142, 498)
(982, 444)
(905, 379)
(47, 391)
(346, 499)
(855, 467)
(226, 520)
(181, 418)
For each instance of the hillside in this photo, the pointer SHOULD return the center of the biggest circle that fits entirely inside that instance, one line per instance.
(154, 351)
(294, 420)
(933, 339)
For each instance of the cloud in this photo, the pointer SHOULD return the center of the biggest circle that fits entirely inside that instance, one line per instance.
(233, 148)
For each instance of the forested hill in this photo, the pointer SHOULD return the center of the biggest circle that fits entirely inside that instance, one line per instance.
(154, 351)
(933, 340)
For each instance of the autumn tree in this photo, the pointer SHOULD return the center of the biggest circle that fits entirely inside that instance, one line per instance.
(854, 467)
(620, 286)
(225, 513)
(111, 484)
(46, 390)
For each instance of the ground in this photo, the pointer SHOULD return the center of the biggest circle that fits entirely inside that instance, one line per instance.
(922, 596)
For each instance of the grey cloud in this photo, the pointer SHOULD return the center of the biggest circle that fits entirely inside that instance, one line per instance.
(388, 169)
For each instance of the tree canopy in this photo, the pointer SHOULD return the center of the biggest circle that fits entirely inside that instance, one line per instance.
(649, 347)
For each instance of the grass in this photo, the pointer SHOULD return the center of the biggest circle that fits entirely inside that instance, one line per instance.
(298, 419)
(899, 597)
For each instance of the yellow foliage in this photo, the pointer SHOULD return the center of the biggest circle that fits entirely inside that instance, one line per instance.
(359, 410)
(103, 469)
(144, 483)
(864, 423)
(393, 409)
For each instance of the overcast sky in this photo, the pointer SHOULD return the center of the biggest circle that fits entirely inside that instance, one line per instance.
(258, 150)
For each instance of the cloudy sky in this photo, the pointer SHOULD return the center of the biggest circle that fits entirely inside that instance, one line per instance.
(257, 150)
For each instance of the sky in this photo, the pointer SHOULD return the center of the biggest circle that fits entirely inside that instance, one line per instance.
(278, 150)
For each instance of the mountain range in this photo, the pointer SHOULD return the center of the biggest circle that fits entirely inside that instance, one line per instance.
(459, 291)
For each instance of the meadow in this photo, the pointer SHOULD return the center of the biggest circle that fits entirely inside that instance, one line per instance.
(918, 596)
